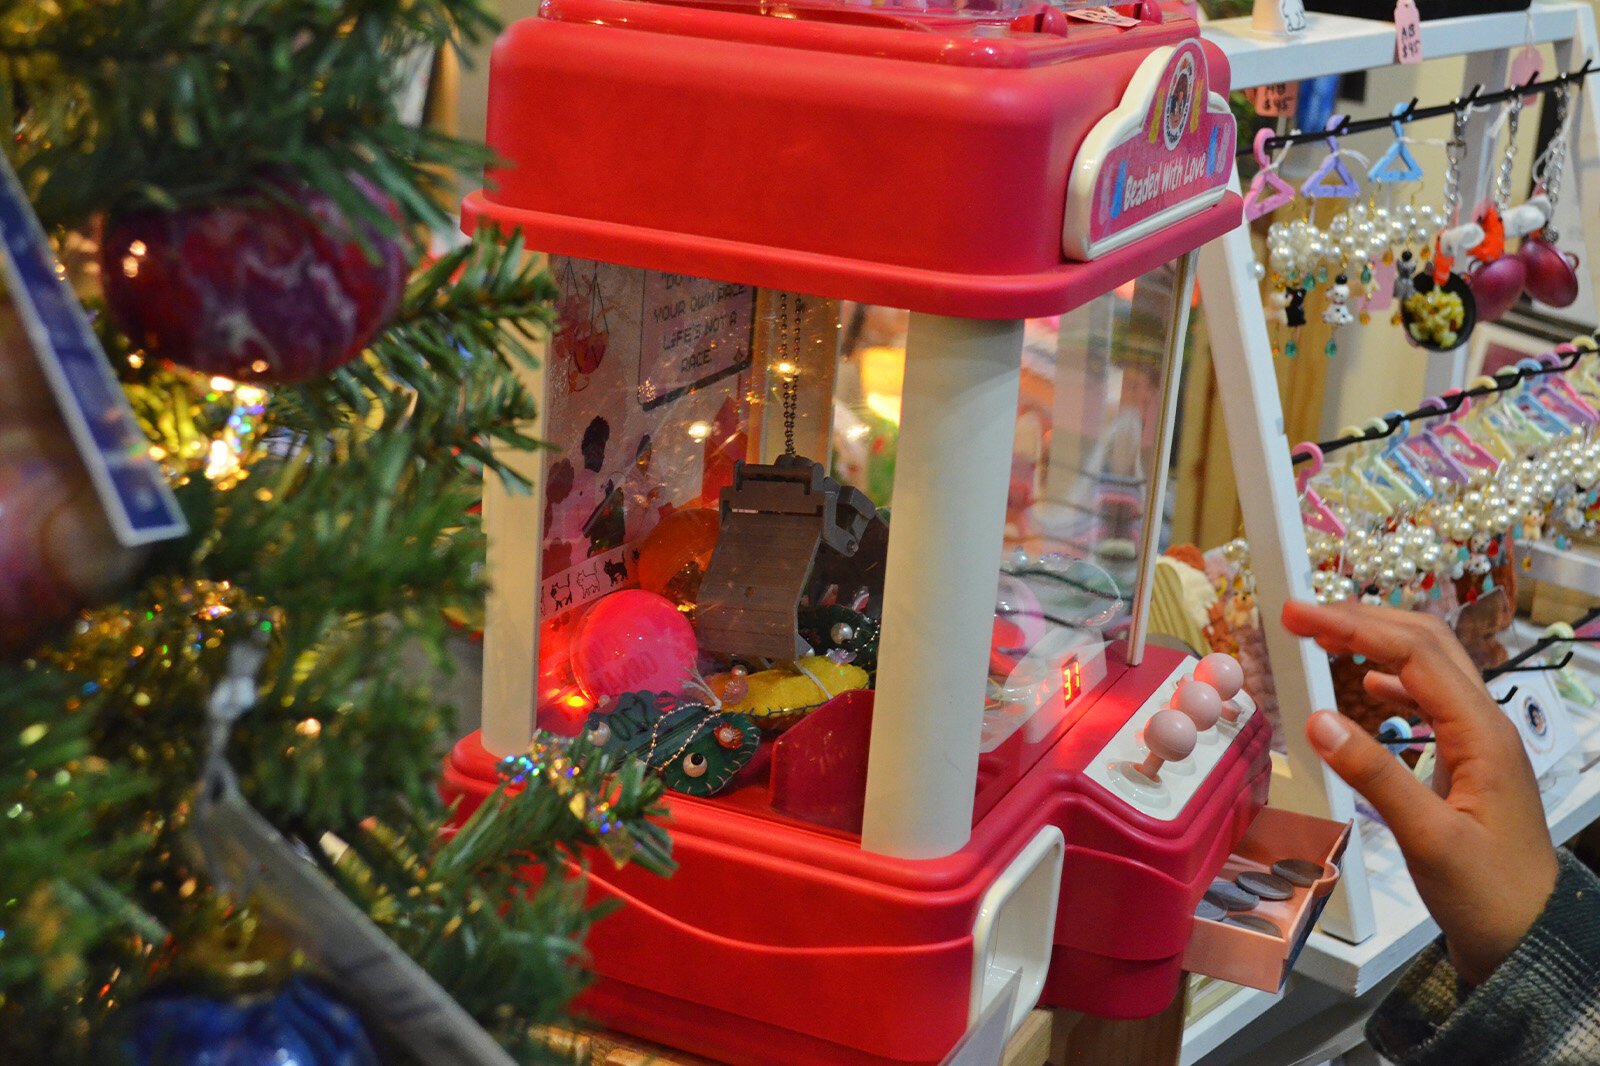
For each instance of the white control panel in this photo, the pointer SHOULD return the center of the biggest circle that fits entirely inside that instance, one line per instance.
(1175, 781)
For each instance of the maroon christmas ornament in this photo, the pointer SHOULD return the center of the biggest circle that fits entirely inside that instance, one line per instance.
(1497, 285)
(255, 290)
(1552, 273)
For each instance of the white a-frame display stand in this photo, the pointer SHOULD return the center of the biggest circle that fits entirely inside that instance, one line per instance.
(1242, 350)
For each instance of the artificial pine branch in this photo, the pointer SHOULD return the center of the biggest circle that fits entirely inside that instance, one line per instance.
(165, 103)
(331, 519)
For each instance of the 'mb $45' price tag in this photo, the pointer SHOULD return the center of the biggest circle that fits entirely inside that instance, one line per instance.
(1407, 32)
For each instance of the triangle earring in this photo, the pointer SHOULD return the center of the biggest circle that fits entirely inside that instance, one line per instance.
(1267, 191)
(1397, 163)
(1332, 178)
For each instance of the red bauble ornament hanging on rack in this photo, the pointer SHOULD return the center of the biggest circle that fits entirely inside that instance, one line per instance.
(254, 290)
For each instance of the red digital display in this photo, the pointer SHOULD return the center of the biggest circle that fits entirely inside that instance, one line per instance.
(1071, 679)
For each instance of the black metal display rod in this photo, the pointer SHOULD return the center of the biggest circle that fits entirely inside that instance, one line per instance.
(1512, 664)
(1474, 99)
(1444, 405)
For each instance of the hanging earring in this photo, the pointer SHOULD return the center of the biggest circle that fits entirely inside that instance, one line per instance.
(1552, 276)
(1337, 312)
(1497, 278)
(1439, 313)
(1268, 191)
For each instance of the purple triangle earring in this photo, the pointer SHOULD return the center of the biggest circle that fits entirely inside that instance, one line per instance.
(1332, 178)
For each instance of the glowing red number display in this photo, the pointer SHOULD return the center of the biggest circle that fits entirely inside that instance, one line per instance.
(1071, 680)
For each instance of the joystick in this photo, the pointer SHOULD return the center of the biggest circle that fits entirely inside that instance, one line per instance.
(1223, 673)
(1198, 702)
(1170, 736)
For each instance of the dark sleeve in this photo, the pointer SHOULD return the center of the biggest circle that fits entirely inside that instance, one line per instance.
(1540, 1007)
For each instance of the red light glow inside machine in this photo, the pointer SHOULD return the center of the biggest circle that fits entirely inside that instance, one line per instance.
(861, 400)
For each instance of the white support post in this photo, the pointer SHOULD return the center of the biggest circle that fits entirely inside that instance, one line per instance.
(513, 525)
(958, 421)
(1241, 354)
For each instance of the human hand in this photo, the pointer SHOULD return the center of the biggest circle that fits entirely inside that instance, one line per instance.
(1476, 844)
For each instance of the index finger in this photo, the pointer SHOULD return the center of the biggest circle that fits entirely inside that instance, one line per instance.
(1419, 650)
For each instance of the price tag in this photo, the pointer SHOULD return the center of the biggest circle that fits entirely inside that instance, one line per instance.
(243, 849)
(1105, 16)
(1272, 101)
(1407, 32)
(131, 488)
(1525, 68)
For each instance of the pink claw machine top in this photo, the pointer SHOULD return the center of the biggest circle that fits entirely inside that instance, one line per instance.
(953, 159)
(883, 840)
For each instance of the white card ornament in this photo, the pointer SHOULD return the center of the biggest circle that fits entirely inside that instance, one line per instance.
(1540, 714)
(1164, 153)
(130, 485)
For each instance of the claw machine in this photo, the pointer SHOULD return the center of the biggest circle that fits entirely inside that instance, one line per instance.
(887, 649)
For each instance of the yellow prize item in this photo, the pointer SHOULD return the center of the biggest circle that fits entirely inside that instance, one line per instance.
(779, 698)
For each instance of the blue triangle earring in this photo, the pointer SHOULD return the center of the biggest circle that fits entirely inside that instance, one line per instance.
(1397, 163)
(1332, 178)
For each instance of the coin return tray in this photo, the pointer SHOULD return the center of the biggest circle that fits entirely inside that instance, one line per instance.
(1246, 937)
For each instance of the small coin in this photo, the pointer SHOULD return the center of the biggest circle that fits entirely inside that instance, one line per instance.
(1267, 886)
(1230, 896)
(1210, 911)
(1302, 873)
(1255, 923)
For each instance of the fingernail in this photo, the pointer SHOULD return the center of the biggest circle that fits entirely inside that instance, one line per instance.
(1328, 732)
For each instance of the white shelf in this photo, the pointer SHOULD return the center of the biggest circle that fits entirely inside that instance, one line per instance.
(1336, 44)
(1570, 568)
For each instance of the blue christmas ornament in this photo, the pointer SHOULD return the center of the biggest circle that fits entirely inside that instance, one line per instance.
(298, 1024)
(236, 1000)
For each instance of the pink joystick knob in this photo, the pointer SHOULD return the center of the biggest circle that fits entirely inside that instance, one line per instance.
(1199, 701)
(1170, 736)
(1223, 673)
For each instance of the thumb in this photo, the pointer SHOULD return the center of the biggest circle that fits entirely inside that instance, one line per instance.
(1410, 808)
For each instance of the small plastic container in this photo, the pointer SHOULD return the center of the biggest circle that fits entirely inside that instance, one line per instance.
(1227, 950)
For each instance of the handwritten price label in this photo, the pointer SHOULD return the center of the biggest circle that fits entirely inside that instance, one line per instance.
(1407, 32)
(1103, 15)
(1525, 68)
(1274, 100)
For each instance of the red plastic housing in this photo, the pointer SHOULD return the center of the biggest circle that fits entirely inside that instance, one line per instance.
(835, 151)
(918, 162)
(780, 944)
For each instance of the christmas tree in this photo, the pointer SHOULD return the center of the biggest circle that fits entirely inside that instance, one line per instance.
(234, 193)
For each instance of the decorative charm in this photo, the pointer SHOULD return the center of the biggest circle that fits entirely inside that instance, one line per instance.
(1337, 312)
(1440, 312)
(1332, 178)
(253, 290)
(1258, 200)
(633, 641)
(673, 557)
(1497, 283)
(1552, 274)
(696, 750)
(841, 634)
(582, 333)
(776, 699)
